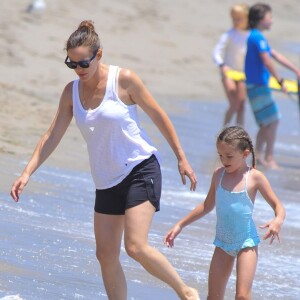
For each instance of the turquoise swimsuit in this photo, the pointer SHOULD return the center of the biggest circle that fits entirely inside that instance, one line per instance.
(235, 227)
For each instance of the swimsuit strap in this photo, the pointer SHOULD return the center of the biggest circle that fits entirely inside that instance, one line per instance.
(246, 181)
(222, 175)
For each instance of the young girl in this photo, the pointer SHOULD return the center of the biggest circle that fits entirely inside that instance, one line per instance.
(233, 190)
(258, 68)
(228, 54)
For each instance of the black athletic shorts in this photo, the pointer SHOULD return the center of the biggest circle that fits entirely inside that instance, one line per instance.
(142, 184)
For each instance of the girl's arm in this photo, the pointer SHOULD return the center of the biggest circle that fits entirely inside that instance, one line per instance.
(140, 95)
(47, 143)
(273, 226)
(285, 62)
(218, 53)
(198, 212)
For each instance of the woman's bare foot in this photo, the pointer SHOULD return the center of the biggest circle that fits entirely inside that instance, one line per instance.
(191, 294)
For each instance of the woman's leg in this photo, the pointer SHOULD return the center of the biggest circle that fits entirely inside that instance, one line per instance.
(137, 224)
(108, 234)
(219, 272)
(245, 271)
(230, 88)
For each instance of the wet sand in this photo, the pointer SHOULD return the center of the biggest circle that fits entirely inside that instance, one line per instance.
(169, 46)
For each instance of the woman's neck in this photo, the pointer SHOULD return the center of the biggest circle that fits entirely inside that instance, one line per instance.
(95, 80)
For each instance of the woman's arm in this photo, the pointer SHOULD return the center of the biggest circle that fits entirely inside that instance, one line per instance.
(48, 141)
(273, 226)
(140, 95)
(198, 212)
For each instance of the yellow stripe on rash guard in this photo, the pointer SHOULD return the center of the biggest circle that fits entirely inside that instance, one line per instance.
(291, 85)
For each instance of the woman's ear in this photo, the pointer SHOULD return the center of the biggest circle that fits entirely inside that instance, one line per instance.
(99, 53)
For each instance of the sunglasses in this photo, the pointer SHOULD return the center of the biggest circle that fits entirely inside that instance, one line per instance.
(82, 64)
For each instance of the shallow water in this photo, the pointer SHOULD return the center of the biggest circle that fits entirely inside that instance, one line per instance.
(47, 245)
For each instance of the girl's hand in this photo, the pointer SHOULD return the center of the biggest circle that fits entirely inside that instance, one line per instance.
(223, 71)
(171, 235)
(186, 170)
(18, 187)
(274, 228)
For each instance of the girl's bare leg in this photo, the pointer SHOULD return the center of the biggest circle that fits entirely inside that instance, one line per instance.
(241, 95)
(137, 224)
(234, 94)
(245, 271)
(219, 273)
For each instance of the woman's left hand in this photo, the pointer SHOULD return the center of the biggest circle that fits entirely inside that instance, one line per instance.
(186, 170)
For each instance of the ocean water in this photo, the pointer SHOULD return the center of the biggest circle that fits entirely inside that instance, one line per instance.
(47, 246)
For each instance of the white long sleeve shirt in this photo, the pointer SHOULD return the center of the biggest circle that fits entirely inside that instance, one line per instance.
(231, 49)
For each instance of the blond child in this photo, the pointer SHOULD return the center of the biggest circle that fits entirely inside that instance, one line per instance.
(229, 53)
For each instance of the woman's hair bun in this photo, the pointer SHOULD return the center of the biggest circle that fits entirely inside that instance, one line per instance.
(87, 24)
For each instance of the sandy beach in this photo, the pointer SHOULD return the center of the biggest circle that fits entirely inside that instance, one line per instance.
(168, 44)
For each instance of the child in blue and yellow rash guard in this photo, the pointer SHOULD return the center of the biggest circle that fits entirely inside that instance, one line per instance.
(258, 69)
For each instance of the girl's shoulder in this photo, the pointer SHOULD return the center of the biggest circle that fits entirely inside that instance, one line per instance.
(256, 176)
(218, 174)
(219, 171)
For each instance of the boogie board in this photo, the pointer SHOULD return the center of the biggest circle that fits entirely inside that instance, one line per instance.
(291, 85)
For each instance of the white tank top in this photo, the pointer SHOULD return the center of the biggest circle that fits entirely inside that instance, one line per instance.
(115, 141)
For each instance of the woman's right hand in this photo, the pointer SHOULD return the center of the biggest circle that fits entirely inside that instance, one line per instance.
(171, 235)
(18, 187)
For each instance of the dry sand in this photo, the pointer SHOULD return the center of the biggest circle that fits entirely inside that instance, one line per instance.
(168, 43)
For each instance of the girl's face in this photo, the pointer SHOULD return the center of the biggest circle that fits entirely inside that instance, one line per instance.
(84, 61)
(231, 157)
(266, 22)
(239, 20)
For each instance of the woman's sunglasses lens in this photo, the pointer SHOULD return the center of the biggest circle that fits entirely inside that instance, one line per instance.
(71, 64)
(84, 64)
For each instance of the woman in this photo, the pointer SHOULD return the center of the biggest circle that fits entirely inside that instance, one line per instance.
(122, 159)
